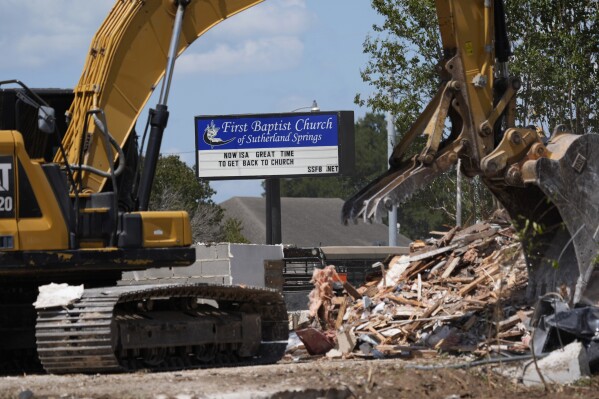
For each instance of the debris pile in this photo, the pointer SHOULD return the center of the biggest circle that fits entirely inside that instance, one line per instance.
(455, 294)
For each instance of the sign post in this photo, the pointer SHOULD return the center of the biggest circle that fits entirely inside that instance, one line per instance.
(273, 211)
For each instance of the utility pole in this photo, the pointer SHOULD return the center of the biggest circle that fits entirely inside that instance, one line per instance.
(393, 211)
(458, 205)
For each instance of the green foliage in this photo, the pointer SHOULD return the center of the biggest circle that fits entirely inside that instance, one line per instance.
(555, 54)
(177, 188)
(403, 59)
(232, 231)
(555, 50)
(174, 175)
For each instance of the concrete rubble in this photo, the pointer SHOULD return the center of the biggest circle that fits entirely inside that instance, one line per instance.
(560, 366)
(52, 295)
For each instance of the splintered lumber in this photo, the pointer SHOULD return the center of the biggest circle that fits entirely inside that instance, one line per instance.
(449, 269)
(446, 297)
(405, 301)
(479, 280)
(448, 237)
(380, 337)
(477, 236)
(351, 290)
(342, 310)
(508, 323)
(418, 268)
(430, 254)
(429, 311)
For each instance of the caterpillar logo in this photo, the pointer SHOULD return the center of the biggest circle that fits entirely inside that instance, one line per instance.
(7, 187)
(5, 169)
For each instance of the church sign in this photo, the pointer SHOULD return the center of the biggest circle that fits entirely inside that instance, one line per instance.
(275, 145)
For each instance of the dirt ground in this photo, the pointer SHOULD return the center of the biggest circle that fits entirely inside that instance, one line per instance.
(321, 378)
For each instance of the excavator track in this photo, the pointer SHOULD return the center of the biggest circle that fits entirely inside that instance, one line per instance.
(162, 327)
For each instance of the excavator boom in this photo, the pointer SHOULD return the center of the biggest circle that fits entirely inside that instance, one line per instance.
(126, 60)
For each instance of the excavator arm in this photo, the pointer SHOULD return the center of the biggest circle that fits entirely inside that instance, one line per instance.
(465, 96)
(126, 60)
(551, 184)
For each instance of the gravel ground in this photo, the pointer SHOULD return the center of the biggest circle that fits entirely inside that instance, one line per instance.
(319, 378)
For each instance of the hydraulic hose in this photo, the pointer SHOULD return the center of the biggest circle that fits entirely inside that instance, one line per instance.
(115, 145)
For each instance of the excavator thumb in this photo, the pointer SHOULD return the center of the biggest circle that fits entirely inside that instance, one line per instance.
(556, 211)
(394, 187)
(407, 175)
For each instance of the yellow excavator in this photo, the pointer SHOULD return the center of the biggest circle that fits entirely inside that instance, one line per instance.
(74, 210)
(550, 182)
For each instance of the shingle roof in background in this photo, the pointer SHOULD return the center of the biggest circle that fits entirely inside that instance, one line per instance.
(306, 222)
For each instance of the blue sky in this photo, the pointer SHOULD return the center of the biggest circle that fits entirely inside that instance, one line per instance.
(275, 57)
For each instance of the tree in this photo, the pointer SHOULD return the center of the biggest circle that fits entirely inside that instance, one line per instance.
(176, 187)
(175, 177)
(555, 50)
(555, 54)
(232, 231)
(403, 60)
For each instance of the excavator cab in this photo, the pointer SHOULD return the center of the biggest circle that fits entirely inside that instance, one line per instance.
(550, 188)
(46, 218)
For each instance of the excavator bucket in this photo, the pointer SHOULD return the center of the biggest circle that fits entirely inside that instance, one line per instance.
(555, 210)
(557, 214)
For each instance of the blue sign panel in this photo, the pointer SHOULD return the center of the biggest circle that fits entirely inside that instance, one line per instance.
(264, 145)
(238, 133)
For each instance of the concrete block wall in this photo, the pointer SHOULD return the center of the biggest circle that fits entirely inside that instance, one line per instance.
(222, 263)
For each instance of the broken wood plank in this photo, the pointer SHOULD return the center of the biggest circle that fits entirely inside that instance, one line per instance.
(450, 268)
(507, 323)
(477, 236)
(341, 313)
(405, 301)
(437, 318)
(417, 268)
(371, 291)
(351, 290)
(510, 334)
(426, 314)
(430, 254)
(380, 336)
(479, 280)
(446, 239)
